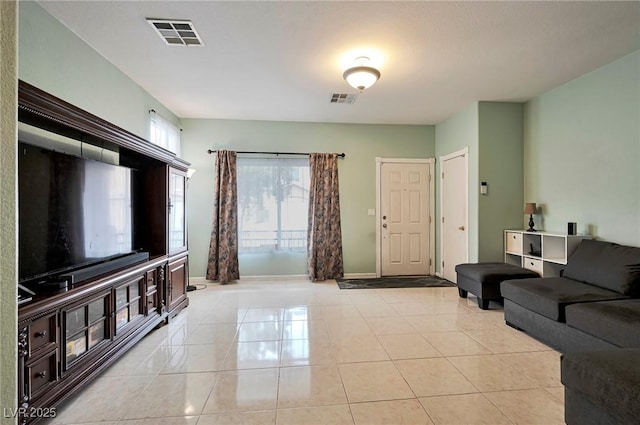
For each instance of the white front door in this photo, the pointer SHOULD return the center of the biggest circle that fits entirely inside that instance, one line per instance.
(404, 218)
(453, 185)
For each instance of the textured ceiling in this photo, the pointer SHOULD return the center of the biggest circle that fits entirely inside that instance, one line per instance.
(283, 60)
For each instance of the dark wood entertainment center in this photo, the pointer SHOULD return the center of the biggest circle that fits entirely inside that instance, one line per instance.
(67, 337)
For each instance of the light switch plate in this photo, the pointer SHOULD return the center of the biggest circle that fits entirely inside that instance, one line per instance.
(371, 211)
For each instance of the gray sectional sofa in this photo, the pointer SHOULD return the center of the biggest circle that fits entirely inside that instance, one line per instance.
(592, 315)
(594, 305)
(602, 387)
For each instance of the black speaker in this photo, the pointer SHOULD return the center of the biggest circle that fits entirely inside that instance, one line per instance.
(572, 228)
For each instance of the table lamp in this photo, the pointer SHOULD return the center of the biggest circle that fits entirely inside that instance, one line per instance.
(530, 208)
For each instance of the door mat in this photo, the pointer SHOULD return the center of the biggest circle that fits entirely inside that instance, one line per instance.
(393, 282)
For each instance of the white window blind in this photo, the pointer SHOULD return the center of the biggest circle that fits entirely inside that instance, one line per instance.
(163, 133)
(273, 203)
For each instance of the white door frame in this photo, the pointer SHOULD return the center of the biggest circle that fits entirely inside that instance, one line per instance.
(432, 242)
(465, 154)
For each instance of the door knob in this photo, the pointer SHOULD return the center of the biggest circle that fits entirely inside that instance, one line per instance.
(384, 217)
(384, 225)
(461, 228)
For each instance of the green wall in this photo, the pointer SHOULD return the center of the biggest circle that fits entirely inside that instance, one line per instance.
(361, 143)
(459, 132)
(492, 131)
(500, 138)
(582, 153)
(55, 60)
(8, 269)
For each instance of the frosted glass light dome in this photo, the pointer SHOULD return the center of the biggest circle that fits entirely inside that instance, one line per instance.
(361, 77)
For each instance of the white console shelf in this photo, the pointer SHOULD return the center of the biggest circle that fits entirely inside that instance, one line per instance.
(543, 252)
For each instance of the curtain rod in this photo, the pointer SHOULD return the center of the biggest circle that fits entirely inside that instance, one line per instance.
(341, 155)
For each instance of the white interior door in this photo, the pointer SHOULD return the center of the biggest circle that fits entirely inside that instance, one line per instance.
(404, 218)
(454, 209)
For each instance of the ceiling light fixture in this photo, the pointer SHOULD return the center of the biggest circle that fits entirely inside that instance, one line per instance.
(361, 76)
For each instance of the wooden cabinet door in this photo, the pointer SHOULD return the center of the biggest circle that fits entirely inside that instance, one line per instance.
(177, 211)
(153, 288)
(129, 304)
(177, 282)
(85, 328)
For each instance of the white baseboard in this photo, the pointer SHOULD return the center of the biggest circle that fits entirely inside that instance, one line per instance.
(290, 277)
(197, 279)
(360, 275)
(286, 277)
(439, 275)
(202, 279)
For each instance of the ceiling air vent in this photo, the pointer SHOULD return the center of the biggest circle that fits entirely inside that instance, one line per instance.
(176, 32)
(343, 98)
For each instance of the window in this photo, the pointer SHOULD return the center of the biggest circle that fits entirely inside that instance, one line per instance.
(163, 133)
(273, 202)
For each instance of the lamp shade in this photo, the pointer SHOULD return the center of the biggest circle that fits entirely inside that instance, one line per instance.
(530, 208)
(361, 77)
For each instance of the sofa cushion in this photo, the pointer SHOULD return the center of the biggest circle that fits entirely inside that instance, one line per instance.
(617, 322)
(549, 296)
(493, 272)
(607, 265)
(609, 379)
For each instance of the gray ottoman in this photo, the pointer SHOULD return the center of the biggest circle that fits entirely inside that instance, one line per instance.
(483, 280)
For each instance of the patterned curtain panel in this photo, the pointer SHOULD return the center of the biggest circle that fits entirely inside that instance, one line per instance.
(223, 249)
(324, 237)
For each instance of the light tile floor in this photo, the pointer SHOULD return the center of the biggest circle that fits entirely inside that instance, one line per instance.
(301, 353)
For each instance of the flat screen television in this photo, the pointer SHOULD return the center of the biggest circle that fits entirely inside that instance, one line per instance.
(73, 212)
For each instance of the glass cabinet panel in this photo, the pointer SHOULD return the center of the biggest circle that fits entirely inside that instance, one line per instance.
(76, 345)
(122, 318)
(76, 320)
(96, 334)
(121, 297)
(177, 223)
(96, 310)
(134, 309)
(134, 292)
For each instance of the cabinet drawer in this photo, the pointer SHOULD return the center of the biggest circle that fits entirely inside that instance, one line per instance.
(42, 332)
(533, 264)
(152, 303)
(42, 372)
(150, 278)
(513, 242)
